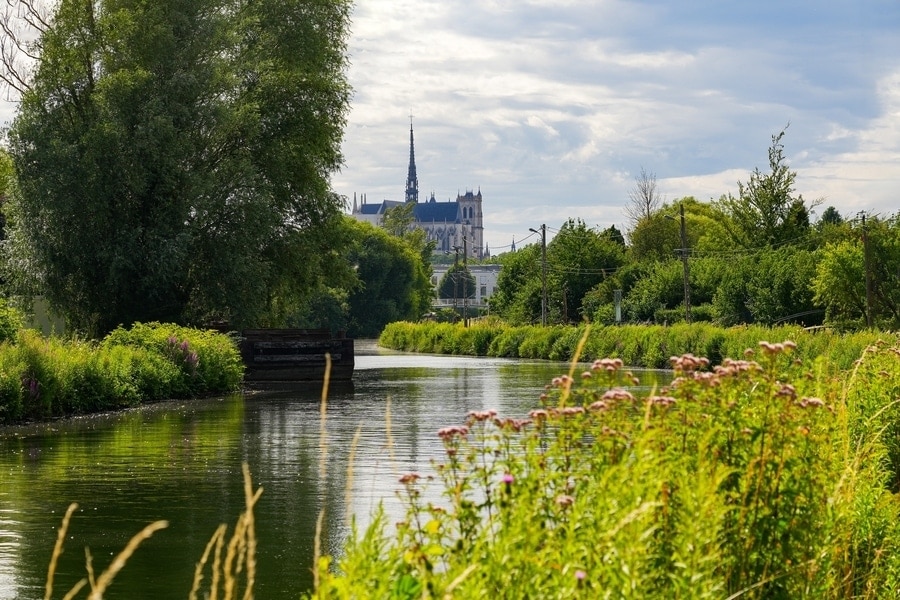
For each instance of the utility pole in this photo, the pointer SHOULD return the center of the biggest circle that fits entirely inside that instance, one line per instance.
(683, 251)
(868, 268)
(465, 281)
(687, 272)
(543, 233)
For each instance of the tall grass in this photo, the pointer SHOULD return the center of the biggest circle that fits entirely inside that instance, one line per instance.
(43, 378)
(229, 561)
(762, 477)
(648, 346)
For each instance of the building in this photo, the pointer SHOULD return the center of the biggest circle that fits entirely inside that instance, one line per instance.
(485, 286)
(452, 224)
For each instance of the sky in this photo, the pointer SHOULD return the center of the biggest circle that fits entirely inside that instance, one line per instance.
(552, 107)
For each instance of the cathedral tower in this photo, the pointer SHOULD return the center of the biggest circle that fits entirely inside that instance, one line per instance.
(412, 181)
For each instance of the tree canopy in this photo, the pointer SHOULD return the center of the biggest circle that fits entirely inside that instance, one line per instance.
(173, 158)
(766, 212)
(457, 283)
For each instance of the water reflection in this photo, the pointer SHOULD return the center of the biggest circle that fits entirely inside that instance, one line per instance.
(181, 461)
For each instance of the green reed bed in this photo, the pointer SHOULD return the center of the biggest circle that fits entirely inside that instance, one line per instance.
(759, 477)
(648, 346)
(43, 378)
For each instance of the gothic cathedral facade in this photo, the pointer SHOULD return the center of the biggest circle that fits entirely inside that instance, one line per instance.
(455, 226)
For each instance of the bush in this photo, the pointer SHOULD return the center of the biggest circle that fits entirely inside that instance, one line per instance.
(11, 321)
(43, 378)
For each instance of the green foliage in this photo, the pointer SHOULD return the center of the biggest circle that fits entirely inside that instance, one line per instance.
(518, 295)
(578, 258)
(658, 236)
(457, 283)
(648, 346)
(43, 378)
(840, 280)
(769, 287)
(766, 212)
(7, 173)
(394, 281)
(740, 481)
(173, 158)
(208, 360)
(11, 321)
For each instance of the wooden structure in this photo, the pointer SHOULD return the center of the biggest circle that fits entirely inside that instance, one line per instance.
(295, 355)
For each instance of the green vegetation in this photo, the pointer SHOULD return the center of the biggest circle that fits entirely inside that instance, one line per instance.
(173, 158)
(457, 283)
(43, 378)
(377, 278)
(755, 258)
(648, 346)
(766, 477)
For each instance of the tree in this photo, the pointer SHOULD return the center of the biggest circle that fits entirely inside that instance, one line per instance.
(173, 158)
(840, 281)
(766, 212)
(768, 287)
(457, 282)
(831, 216)
(518, 295)
(397, 220)
(613, 234)
(394, 282)
(643, 199)
(578, 258)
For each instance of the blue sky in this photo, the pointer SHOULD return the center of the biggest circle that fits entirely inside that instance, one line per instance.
(552, 107)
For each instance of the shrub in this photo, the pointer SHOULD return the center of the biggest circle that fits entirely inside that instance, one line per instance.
(11, 321)
(42, 378)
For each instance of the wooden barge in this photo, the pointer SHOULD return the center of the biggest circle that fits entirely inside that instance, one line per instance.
(295, 355)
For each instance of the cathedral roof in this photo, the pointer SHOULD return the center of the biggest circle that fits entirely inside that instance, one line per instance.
(436, 212)
(378, 209)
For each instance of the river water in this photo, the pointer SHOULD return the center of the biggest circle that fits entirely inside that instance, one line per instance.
(182, 461)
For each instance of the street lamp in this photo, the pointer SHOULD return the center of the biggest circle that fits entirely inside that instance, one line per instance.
(684, 260)
(543, 234)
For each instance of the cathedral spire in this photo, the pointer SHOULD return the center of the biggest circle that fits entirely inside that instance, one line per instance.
(412, 181)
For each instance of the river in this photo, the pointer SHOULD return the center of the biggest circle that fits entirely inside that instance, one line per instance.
(181, 461)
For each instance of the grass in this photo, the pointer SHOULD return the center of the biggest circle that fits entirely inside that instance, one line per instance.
(648, 346)
(762, 477)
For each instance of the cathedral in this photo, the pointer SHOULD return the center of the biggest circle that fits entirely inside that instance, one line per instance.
(452, 224)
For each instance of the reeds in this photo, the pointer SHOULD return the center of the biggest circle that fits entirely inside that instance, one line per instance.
(233, 567)
(234, 560)
(648, 346)
(97, 584)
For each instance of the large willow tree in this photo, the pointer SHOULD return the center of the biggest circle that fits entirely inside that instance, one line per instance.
(172, 157)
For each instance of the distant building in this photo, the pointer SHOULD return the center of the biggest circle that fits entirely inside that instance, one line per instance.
(485, 285)
(454, 223)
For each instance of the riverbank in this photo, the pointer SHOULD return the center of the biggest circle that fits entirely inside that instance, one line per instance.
(45, 378)
(765, 477)
(647, 346)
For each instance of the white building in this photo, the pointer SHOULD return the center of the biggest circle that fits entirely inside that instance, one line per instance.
(485, 286)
